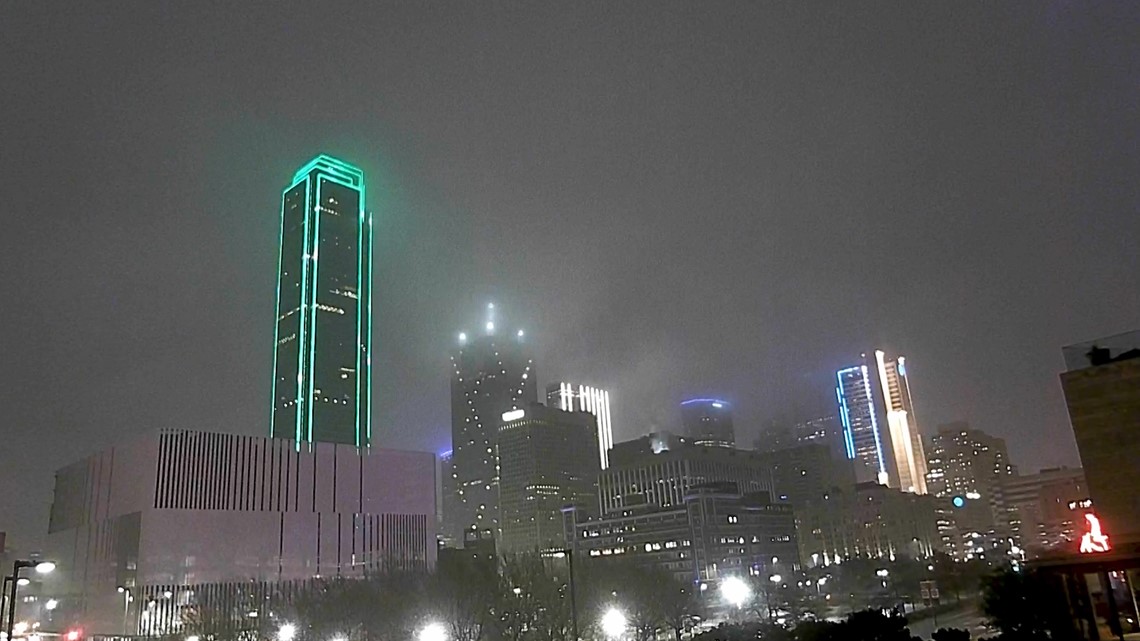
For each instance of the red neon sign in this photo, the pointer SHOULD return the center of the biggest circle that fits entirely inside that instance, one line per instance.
(1094, 540)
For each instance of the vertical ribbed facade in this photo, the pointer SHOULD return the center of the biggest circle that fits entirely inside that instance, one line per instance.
(186, 512)
(663, 479)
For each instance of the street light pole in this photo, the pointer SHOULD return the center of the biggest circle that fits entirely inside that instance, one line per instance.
(126, 592)
(43, 567)
(569, 554)
(573, 598)
(4, 602)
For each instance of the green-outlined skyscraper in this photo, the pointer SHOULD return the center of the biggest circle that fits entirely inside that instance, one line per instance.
(322, 366)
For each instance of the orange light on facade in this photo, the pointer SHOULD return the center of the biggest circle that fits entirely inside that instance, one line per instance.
(1094, 540)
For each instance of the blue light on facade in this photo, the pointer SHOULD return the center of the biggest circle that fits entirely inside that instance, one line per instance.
(704, 400)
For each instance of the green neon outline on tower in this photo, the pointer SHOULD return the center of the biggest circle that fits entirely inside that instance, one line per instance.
(322, 364)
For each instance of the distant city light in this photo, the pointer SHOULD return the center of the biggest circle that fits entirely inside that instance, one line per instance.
(959, 501)
(513, 415)
(490, 326)
(520, 333)
(462, 337)
(51, 604)
(287, 632)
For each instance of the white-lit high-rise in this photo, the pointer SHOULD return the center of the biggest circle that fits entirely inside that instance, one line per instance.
(872, 395)
(583, 398)
(906, 441)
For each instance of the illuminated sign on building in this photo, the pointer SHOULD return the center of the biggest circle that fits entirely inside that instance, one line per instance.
(1094, 540)
(513, 415)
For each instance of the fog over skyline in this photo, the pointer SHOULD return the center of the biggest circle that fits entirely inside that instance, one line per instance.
(672, 199)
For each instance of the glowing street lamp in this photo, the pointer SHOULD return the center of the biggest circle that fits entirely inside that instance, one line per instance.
(614, 623)
(287, 632)
(433, 632)
(16, 581)
(735, 591)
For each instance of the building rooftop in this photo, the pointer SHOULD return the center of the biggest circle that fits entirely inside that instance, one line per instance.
(1102, 351)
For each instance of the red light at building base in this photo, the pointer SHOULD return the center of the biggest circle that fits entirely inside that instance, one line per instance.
(74, 634)
(1094, 540)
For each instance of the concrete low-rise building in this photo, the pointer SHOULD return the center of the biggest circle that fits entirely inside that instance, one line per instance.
(872, 521)
(715, 533)
(178, 525)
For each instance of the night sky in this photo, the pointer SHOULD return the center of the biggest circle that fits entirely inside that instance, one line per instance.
(671, 198)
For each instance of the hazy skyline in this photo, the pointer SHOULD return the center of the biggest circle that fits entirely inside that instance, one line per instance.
(672, 199)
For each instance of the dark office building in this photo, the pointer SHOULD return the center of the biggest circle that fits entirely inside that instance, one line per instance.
(1098, 571)
(659, 469)
(548, 460)
(708, 421)
(870, 521)
(713, 533)
(322, 361)
(1102, 392)
(807, 472)
(492, 374)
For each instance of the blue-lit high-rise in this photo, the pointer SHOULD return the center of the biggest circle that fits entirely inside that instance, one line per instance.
(880, 431)
(857, 412)
(708, 421)
(322, 356)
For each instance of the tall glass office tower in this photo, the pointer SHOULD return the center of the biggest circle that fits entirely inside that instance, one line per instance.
(493, 381)
(322, 366)
(875, 395)
(861, 436)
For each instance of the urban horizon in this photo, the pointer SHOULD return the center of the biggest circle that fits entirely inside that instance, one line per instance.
(718, 323)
